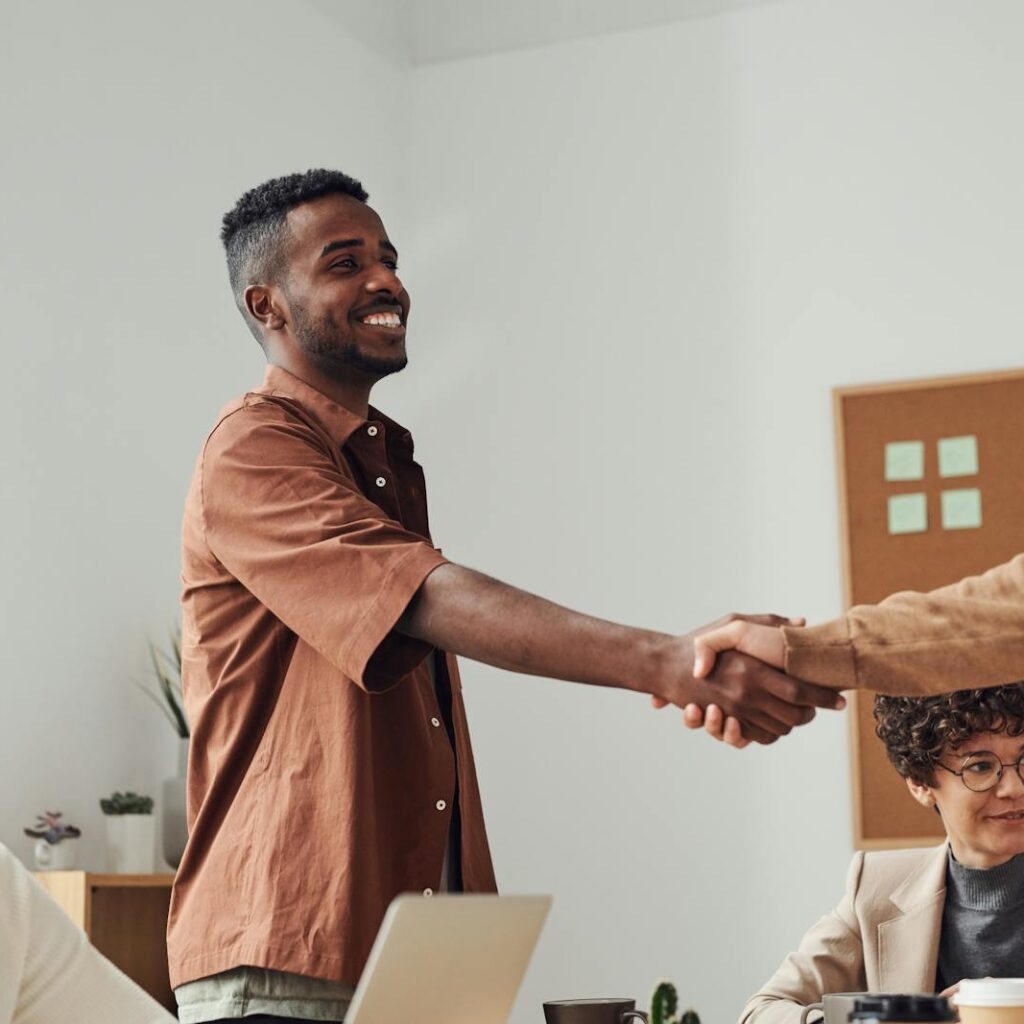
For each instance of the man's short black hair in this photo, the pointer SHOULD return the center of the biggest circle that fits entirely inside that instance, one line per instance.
(253, 231)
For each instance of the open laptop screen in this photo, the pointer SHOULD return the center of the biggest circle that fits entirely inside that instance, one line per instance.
(448, 959)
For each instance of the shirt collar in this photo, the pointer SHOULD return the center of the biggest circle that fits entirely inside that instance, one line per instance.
(341, 423)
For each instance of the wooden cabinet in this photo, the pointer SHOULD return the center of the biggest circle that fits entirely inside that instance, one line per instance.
(125, 918)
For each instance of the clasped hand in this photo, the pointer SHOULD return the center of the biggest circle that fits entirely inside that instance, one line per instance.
(738, 690)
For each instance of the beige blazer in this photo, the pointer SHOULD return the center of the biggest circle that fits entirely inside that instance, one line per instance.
(883, 937)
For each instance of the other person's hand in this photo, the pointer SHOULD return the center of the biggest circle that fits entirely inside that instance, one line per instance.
(761, 637)
(744, 699)
(752, 634)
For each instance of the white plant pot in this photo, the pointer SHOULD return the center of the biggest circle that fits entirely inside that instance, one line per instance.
(175, 827)
(57, 856)
(131, 842)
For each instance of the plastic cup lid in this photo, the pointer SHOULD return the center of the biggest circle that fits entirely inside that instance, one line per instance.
(905, 1008)
(991, 992)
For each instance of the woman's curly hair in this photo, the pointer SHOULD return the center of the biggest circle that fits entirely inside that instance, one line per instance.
(918, 731)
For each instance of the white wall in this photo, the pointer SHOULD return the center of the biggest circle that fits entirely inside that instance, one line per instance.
(639, 263)
(128, 129)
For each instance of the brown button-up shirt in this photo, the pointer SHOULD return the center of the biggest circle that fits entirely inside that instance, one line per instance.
(322, 776)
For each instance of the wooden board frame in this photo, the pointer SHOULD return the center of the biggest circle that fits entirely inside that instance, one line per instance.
(863, 840)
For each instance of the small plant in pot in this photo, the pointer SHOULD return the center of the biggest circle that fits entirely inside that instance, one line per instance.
(665, 1006)
(130, 833)
(55, 849)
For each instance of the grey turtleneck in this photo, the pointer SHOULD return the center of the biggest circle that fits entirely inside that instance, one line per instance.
(981, 922)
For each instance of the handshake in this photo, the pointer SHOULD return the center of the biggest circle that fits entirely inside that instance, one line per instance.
(741, 693)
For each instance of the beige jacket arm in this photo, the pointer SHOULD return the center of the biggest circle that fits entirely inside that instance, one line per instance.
(830, 959)
(967, 634)
(49, 974)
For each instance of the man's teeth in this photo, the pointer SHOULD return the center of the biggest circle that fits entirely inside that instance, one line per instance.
(383, 320)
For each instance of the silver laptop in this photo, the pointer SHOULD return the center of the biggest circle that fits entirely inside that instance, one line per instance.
(448, 959)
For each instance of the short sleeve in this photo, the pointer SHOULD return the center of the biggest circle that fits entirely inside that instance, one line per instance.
(283, 517)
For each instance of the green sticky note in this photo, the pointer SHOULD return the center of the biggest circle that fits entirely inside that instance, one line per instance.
(908, 513)
(961, 509)
(904, 460)
(958, 456)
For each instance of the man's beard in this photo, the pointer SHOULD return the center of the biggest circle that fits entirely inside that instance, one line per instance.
(335, 355)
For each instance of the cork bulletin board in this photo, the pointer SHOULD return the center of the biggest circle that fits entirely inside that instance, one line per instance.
(931, 478)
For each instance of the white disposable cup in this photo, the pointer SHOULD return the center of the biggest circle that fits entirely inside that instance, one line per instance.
(991, 1001)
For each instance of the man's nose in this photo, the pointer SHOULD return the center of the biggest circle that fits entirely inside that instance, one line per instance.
(383, 279)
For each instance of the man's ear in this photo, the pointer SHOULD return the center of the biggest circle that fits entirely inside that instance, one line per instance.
(265, 306)
(921, 793)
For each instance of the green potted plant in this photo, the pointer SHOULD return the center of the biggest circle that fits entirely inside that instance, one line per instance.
(665, 1006)
(166, 695)
(55, 849)
(130, 833)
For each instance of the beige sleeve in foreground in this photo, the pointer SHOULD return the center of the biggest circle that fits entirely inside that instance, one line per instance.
(961, 636)
(830, 959)
(49, 973)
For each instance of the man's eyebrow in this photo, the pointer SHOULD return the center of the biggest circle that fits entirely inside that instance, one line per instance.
(354, 243)
(341, 243)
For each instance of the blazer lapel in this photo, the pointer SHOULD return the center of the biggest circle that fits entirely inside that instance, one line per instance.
(908, 943)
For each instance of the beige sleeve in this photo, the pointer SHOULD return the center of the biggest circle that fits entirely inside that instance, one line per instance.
(965, 635)
(830, 959)
(49, 973)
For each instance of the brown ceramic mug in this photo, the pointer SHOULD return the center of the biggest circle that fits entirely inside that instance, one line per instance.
(592, 1011)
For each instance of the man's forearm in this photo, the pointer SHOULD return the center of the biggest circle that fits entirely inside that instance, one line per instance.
(467, 613)
(473, 615)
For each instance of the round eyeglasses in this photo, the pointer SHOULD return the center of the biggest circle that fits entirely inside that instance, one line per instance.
(983, 770)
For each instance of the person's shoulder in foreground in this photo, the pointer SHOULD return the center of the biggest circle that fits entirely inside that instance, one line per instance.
(49, 974)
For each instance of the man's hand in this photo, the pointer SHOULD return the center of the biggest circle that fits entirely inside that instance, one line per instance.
(467, 613)
(760, 637)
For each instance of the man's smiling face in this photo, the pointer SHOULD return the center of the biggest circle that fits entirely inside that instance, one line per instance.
(347, 307)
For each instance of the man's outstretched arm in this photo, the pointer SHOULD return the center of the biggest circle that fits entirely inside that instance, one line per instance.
(470, 614)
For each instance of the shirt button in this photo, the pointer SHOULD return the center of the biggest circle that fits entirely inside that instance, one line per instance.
(440, 805)
(371, 430)
(381, 481)
(428, 892)
(436, 723)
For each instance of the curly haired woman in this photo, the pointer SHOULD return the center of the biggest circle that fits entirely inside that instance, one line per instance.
(921, 920)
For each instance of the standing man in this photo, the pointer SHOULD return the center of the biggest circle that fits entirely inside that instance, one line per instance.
(330, 765)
